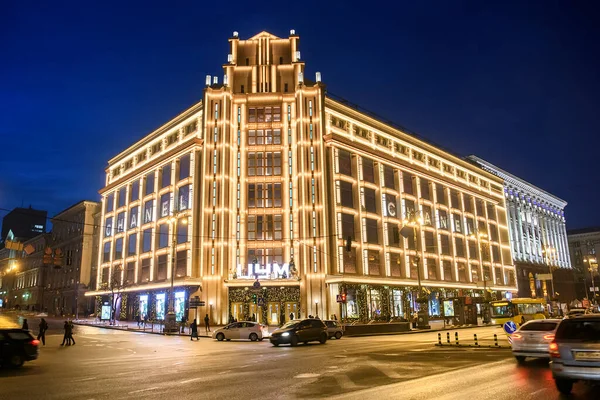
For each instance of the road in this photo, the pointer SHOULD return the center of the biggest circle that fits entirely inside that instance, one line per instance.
(124, 365)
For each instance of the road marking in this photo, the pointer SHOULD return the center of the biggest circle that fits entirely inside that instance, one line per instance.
(178, 363)
(224, 372)
(386, 371)
(306, 376)
(537, 391)
(144, 390)
(345, 382)
(191, 380)
(83, 379)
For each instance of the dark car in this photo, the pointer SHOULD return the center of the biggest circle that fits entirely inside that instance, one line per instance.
(17, 346)
(296, 331)
(575, 351)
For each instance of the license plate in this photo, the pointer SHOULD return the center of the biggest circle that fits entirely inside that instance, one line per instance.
(587, 355)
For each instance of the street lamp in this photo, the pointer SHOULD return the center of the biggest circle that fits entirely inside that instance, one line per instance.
(171, 317)
(413, 221)
(479, 236)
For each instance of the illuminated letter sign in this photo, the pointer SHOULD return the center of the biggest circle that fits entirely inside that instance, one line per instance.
(268, 271)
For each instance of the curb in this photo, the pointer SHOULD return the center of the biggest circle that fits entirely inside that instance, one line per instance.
(473, 346)
(114, 328)
(415, 331)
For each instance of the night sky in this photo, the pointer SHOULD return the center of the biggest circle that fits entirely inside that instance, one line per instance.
(516, 84)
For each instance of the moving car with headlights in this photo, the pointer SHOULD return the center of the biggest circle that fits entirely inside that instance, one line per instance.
(242, 330)
(296, 331)
(334, 329)
(575, 352)
(17, 346)
(533, 338)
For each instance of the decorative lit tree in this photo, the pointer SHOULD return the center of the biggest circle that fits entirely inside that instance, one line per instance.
(116, 285)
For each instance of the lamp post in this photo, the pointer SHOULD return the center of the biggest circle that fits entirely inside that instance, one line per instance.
(479, 236)
(171, 317)
(411, 223)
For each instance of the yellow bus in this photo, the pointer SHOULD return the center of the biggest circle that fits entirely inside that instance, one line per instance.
(517, 310)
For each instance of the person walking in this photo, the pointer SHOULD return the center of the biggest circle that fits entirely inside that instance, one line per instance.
(291, 316)
(183, 323)
(25, 324)
(71, 328)
(138, 319)
(194, 330)
(206, 323)
(42, 334)
(66, 334)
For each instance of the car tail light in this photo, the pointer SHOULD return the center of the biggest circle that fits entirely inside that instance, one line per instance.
(553, 350)
(516, 336)
(34, 342)
(549, 337)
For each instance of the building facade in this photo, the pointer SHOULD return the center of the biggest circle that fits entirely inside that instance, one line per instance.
(584, 245)
(270, 198)
(25, 223)
(538, 233)
(74, 243)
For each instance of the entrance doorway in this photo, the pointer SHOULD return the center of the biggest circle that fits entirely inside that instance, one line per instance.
(237, 311)
(273, 311)
(256, 310)
(291, 308)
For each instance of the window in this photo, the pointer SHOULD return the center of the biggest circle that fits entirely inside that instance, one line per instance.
(134, 217)
(149, 184)
(348, 226)
(374, 262)
(165, 204)
(349, 261)
(122, 197)
(184, 166)
(370, 201)
(108, 227)
(264, 227)
(372, 231)
(473, 250)
(425, 192)
(479, 206)
(191, 127)
(147, 240)
(462, 272)
(460, 247)
(468, 203)
(119, 248)
(264, 164)
(440, 194)
(130, 272)
(427, 220)
(496, 253)
(105, 275)
(493, 233)
(447, 266)
(182, 232)
(110, 203)
(262, 137)
(407, 183)
(409, 209)
(145, 270)
(432, 269)
(262, 195)
(148, 211)
(165, 176)
(181, 267)
(347, 199)
(388, 176)
(389, 206)
(106, 252)
(368, 170)
(457, 224)
(445, 243)
(430, 242)
(345, 162)
(393, 235)
(163, 236)
(134, 191)
(184, 198)
(442, 219)
(491, 212)
(474, 273)
(396, 265)
(454, 199)
(470, 226)
(121, 222)
(264, 114)
(132, 244)
(161, 268)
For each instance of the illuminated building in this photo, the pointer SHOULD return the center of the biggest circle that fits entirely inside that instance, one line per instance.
(537, 226)
(271, 176)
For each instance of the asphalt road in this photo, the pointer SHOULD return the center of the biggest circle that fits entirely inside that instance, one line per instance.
(124, 365)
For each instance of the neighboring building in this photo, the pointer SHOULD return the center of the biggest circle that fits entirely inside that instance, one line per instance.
(265, 178)
(538, 237)
(74, 234)
(25, 223)
(27, 289)
(584, 245)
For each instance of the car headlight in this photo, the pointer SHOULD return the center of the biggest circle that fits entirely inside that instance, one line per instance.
(285, 334)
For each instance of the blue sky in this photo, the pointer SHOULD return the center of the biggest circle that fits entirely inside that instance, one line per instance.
(515, 83)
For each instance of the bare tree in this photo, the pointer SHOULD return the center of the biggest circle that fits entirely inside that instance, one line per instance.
(116, 285)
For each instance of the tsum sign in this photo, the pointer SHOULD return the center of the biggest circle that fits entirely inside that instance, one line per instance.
(267, 271)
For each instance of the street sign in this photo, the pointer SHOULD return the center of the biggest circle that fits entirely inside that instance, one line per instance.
(594, 289)
(197, 303)
(339, 298)
(509, 327)
(544, 277)
(256, 285)
(260, 302)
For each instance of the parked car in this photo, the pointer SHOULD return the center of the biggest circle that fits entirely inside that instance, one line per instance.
(533, 338)
(296, 331)
(334, 330)
(17, 346)
(573, 312)
(242, 330)
(575, 351)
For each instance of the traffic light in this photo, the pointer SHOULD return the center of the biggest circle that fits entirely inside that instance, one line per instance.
(344, 297)
(349, 244)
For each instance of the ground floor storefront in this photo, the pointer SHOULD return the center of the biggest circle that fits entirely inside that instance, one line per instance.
(267, 305)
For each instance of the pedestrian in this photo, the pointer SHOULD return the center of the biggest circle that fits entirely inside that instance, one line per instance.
(66, 334)
(334, 317)
(231, 319)
(25, 324)
(42, 334)
(145, 320)
(183, 323)
(71, 327)
(194, 330)
(291, 316)
(206, 323)
(253, 317)
(138, 320)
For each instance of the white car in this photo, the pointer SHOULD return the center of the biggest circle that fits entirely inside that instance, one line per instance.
(242, 330)
(533, 339)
